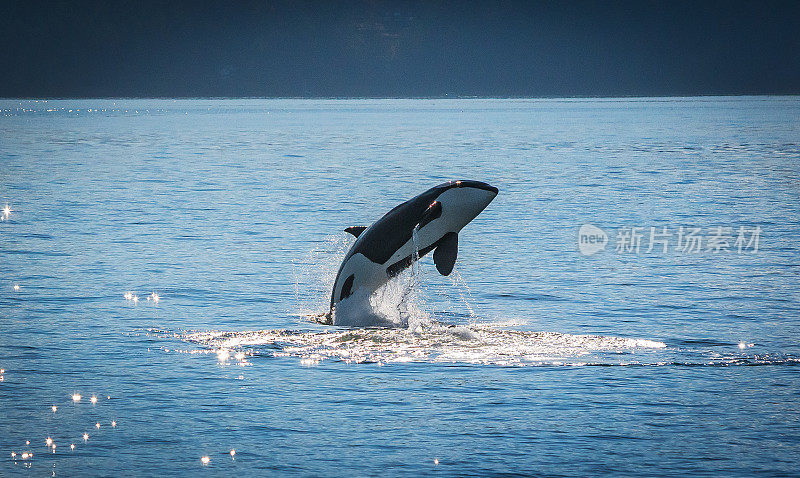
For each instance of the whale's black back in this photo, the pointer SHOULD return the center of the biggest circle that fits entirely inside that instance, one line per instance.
(394, 229)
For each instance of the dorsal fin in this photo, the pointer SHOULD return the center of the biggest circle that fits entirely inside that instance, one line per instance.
(445, 254)
(355, 230)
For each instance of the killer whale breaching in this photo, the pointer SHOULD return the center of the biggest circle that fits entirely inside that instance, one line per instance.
(428, 222)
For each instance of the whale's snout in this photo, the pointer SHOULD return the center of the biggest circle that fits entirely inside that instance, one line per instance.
(482, 193)
(466, 199)
(477, 185)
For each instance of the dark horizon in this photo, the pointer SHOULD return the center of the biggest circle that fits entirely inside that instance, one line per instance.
(443, 97)
(374, 49)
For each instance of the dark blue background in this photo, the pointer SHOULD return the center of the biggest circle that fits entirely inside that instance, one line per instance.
(397, 49)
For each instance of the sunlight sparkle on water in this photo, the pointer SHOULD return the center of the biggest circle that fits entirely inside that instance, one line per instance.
(16, 287)
(72, 446)
(205, 460)
(76, 397)
(433, 343)
(113, 424)
(49, 441)
(85, 437)
(6, 212)
(233, 452)
(97, 425)
(54, 408)
(93, 399)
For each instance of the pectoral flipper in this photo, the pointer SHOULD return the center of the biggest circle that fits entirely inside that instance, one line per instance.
(446, 253)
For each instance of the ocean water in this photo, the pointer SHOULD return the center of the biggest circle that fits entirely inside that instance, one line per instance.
(167, 258)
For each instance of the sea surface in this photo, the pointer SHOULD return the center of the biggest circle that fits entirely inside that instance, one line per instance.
(167, 257)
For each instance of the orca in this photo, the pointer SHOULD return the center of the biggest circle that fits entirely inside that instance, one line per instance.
(425, 223)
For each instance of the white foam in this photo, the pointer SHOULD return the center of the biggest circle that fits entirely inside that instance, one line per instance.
(395, 304)
(434, 343)
(357, 311)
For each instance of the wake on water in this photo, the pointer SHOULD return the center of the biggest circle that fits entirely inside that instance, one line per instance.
(480, 344)
(393, 326)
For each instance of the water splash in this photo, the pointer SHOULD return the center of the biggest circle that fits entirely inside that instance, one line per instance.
(431, 342)
(415, 256)
(314, 275)
(396, 304)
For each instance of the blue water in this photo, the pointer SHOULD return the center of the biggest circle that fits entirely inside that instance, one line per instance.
(531, 359)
